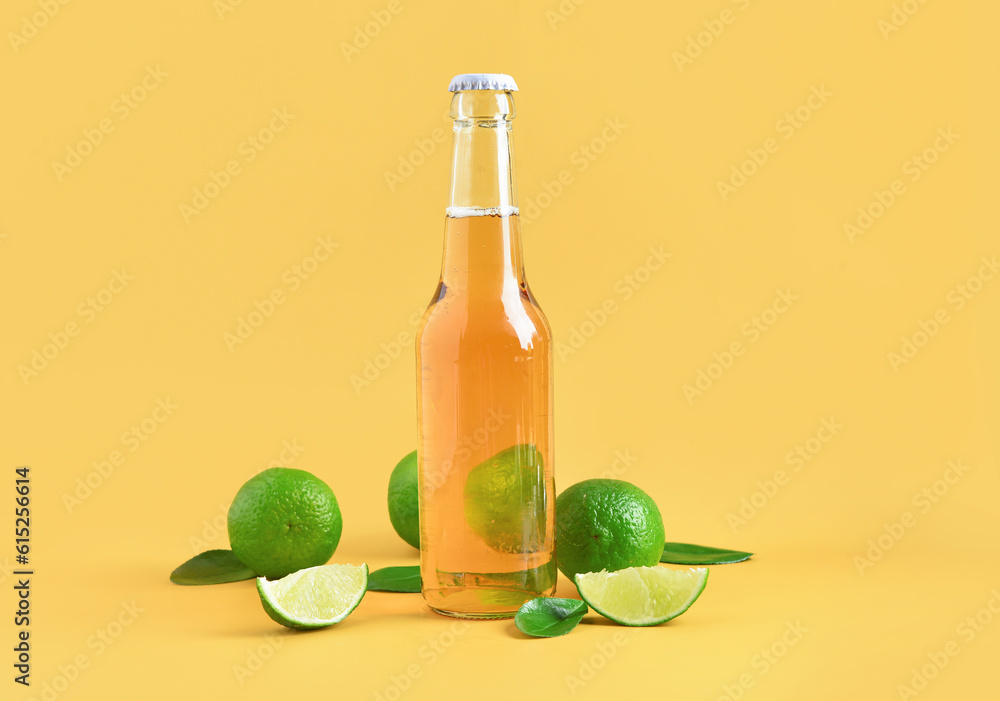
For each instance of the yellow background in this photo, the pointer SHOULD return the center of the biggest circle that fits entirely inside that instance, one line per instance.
(656, 184)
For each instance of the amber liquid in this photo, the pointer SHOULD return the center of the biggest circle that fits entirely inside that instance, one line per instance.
(484, 359)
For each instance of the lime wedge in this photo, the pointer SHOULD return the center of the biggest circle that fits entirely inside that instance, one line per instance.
(642, 596)
(314, 597)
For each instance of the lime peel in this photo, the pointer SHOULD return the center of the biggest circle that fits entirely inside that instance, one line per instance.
(283, 520)
(404, 512)
(606, 524)
(505, 499)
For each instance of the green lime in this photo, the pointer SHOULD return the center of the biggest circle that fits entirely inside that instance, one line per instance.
(284, 520)
(604, 524)
(505, 500)
(642, 596)
(404, 500)
(314, 597)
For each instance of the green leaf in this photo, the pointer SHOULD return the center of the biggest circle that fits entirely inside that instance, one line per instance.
(687, 554)
(212, 567)
(548, 618)
(396, 579)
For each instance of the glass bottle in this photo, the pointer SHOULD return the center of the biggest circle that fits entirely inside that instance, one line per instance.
(484, 384)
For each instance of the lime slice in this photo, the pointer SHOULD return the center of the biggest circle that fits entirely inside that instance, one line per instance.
(642, 596)
(314, 597)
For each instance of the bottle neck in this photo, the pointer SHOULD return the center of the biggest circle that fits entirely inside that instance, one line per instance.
(482, 245)
(482, 164)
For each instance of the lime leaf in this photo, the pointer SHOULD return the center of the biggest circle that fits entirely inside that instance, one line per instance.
(687, 554)
(396, 579)
(212, 567)
(548, 618)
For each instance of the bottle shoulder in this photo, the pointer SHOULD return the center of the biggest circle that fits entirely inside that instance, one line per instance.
(453, 315)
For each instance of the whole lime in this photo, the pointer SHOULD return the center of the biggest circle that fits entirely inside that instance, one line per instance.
(284, 520)
(505, 499)
(404, 511)
(605, 524)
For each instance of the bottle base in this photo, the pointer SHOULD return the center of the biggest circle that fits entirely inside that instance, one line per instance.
(481, 603)
(474, 615)
(478, 595)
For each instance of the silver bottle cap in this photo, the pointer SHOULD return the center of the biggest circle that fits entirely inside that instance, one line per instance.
(482, 81)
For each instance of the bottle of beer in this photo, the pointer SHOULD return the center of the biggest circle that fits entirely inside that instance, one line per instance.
(484, 384)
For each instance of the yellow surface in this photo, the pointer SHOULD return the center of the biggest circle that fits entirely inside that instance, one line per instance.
(600, 76)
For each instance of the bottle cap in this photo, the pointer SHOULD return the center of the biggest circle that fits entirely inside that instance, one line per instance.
(482, 81)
